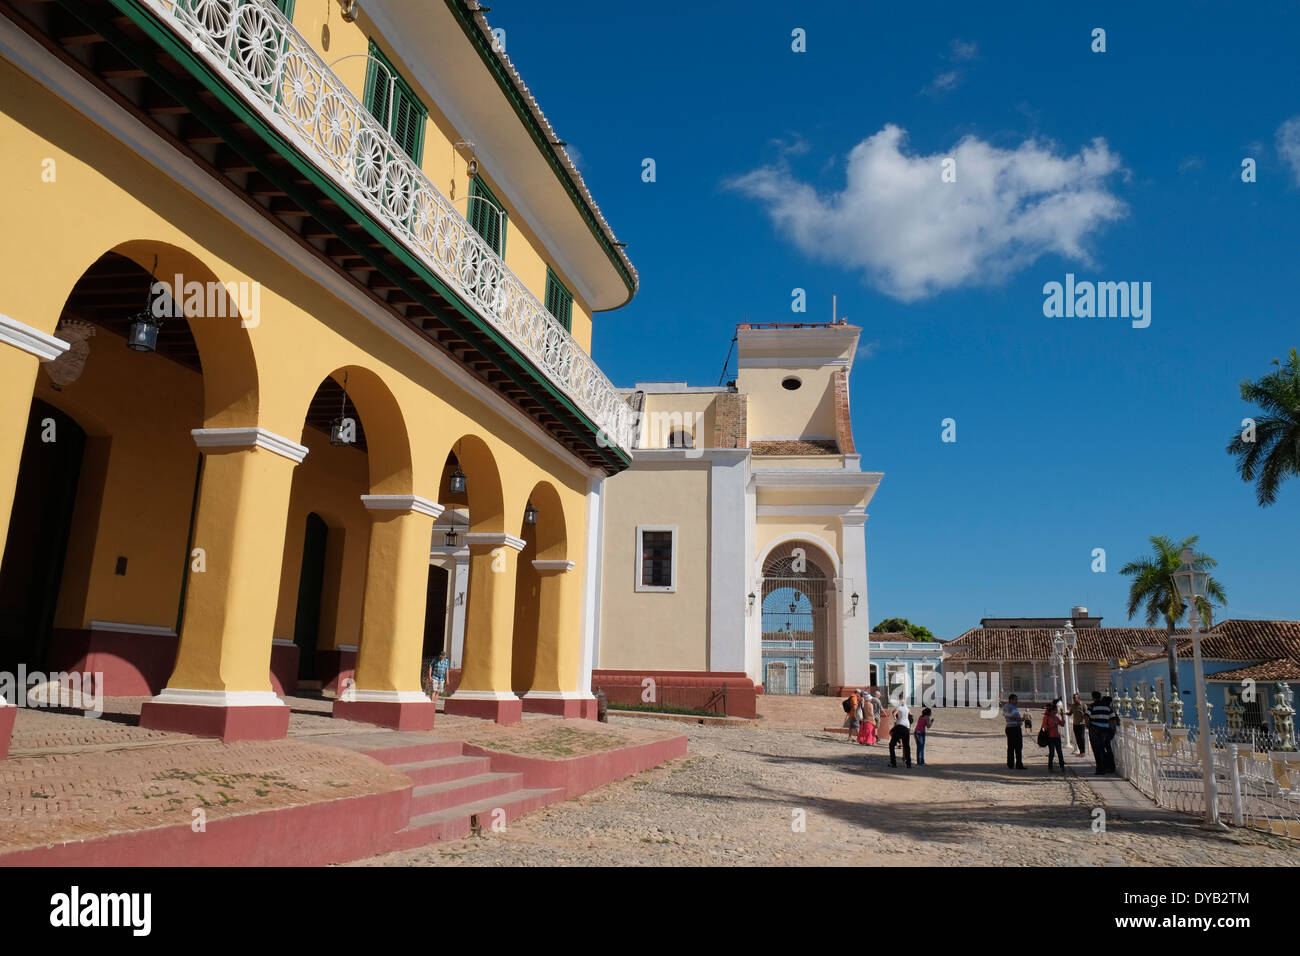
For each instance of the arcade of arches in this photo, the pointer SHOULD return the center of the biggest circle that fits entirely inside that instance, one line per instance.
(187, 522)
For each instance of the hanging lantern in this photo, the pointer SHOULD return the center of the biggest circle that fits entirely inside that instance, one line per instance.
(530, 513)
(343, 430)
(451, 537)
(142, 336)
(457, 484)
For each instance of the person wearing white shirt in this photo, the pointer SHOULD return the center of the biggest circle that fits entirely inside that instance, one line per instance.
(902, 733)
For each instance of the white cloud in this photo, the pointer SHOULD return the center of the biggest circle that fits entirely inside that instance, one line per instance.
(913, 236)
(1288, 146)
(962, 51)
(945, 82)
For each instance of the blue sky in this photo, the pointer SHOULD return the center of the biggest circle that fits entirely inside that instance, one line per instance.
(1072, 433)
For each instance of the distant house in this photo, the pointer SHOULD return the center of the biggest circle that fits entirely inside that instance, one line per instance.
(1019, 652)
(913, 665)
(1246, 658)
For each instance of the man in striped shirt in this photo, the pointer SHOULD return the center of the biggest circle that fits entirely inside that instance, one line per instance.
(1100, 718)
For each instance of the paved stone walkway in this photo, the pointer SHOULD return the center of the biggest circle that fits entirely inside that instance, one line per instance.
(784, 792)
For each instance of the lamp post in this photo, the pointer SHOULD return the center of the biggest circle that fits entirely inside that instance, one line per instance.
(1192, 589)
(1071, 639)
(1058, 660)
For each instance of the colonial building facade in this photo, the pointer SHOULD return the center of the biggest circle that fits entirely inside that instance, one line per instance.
(286, 286)
(741, 525)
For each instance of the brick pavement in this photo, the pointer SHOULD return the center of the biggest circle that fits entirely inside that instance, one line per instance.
(70, 778)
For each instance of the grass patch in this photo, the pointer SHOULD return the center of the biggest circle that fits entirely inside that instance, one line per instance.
(665, 709)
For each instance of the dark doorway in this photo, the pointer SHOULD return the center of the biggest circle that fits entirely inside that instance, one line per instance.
(32, 569)
(435, 613)
(311, 585)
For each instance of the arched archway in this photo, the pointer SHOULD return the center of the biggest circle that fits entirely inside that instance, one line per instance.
(362, 474)
(123, 580)
(540, 649)
(799, 617)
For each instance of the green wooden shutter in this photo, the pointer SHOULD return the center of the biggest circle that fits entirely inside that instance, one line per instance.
(286, 7)
(559, 300)
(487, 216)
(408, 115)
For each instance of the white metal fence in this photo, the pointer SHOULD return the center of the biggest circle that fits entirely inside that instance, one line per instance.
(1257, 788)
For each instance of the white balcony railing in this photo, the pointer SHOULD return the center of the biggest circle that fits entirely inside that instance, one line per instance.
(255, 48)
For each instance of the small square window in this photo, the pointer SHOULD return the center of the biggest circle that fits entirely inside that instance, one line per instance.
(656, 559)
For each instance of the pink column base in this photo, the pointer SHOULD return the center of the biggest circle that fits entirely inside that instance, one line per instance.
(228, 723)
(563, 707)
(396, 715)
(502, 711)
(7, 716)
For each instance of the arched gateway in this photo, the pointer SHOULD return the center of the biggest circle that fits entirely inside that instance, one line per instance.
(800, 602)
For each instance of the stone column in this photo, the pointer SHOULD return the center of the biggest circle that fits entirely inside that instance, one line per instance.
(485, 685)
(387, 687)
(221, 684)
(854, 653)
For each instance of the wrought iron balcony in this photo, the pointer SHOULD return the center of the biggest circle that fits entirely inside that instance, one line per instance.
(273, 68)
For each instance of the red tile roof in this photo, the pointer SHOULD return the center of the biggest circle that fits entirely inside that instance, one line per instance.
(1240, 640)
(820, 446)
(1284, 669)
(1035, 643)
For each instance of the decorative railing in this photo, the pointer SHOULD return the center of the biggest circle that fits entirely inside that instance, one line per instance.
(255, 48)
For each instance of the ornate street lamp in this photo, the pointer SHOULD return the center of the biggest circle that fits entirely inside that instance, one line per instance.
(854, 599)
(1071, 639)
(1058, 661)
(142, 336)
(752, 598)
(1192, 588)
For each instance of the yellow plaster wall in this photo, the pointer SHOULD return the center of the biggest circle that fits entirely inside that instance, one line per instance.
(264, 375)
(775, 412)
(330, 482)
(656, 629)
(136, 487)
(655, 432)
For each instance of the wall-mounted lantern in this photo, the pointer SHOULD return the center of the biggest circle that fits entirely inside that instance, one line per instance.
(854, 599)
(752, 598)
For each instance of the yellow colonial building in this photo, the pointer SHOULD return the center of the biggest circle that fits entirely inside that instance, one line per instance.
(741, 526)
(294, 362)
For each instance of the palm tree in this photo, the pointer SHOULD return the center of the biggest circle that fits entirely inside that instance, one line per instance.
(1154, 590)
(1272, 453)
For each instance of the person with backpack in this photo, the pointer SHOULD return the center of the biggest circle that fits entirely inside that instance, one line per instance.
(1051, 726)
(851, 708)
